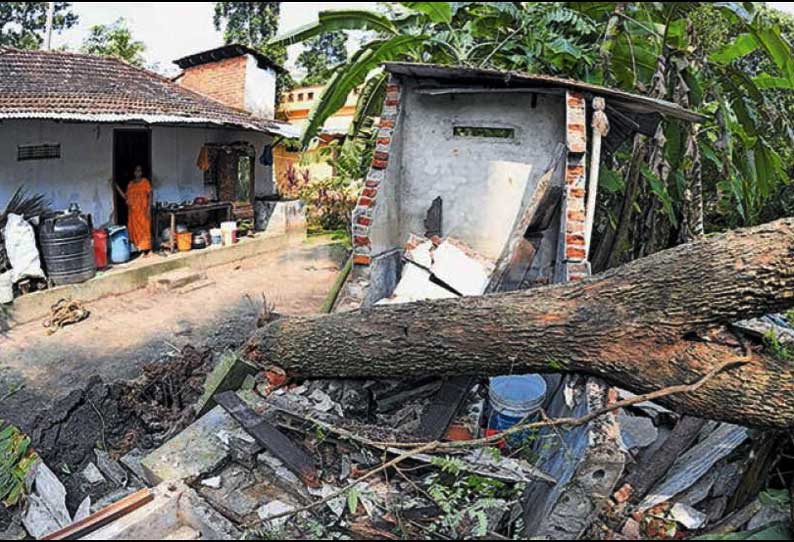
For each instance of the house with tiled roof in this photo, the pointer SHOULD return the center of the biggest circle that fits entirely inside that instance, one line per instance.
(72, 124)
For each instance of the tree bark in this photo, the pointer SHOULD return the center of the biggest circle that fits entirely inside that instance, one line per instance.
(642, 326)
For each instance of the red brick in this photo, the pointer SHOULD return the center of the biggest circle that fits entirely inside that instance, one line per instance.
(380, 164)
(223, 80)
(384, 141)
(360, 259)
(576, 193)
(573, 253)
(369, 193)
(391, 102)
(360, 241)
(574, 239)
(386, 122)
(365, 202)
(372, 184)
(577, 216)
(392, 88)
(363, 220)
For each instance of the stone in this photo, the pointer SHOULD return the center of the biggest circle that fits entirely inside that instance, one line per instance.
(92, 475)
(212, 483)
(768, 515)
(46, 511)
(274, 508)
(687, 516)
(84, 510)
(636, 432)
(132, 460)
(111, 468)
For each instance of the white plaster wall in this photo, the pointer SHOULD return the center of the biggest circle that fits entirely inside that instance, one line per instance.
(477, 178)
(83, 172)
(260, 89)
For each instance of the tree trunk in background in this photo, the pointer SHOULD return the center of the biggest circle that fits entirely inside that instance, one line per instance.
(636, 326)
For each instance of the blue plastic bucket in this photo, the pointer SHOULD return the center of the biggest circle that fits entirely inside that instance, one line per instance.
(513, 400)
(119, 244)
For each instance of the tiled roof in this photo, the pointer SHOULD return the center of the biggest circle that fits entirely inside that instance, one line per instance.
(71, 86)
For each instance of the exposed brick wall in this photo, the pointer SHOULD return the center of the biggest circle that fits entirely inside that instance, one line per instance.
(362, 214)
(574, 253)
(223, 80)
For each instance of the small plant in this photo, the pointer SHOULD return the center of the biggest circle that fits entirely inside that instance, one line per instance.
(16, 460)
(776, 347)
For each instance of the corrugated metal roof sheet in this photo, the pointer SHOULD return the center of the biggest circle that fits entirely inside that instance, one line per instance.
(488, 79)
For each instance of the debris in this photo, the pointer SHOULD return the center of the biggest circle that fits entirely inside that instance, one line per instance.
(275, 508)
(46, 511)
(213, 483)
(688, 516)
(110, 468)
(692, 465)
(92, 475)
(636, 431)
(65, 312)
(268, 436)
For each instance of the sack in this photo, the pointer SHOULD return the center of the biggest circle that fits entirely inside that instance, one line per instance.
(21, 247)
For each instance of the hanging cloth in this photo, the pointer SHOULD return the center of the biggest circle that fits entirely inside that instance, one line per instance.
(266, 159)
(203, 161)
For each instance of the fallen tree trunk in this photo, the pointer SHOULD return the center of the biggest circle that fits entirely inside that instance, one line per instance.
(642, 326)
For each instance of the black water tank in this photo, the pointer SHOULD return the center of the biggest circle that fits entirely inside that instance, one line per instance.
(66, 246)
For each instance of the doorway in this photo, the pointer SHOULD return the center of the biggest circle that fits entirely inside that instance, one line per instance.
(131, 148)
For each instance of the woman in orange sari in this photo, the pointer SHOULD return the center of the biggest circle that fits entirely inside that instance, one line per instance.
(139, 205)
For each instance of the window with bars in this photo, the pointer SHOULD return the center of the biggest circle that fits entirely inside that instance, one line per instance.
(38, 152)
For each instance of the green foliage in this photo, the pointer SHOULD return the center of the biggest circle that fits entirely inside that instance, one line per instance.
(321, 56)
(775, 347)
(22, 24)
(465, 500)
(114, 40)
(16, 460)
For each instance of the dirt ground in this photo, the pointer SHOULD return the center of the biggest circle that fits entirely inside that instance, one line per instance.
(123, 333)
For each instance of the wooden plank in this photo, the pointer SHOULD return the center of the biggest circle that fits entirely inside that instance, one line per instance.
(276, 442)
(102, 517)
(443, 407)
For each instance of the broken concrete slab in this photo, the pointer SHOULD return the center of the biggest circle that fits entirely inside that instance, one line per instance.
(195, 451)
(46, 510)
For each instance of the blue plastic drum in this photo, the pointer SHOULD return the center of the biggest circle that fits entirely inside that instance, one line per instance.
(119, 244)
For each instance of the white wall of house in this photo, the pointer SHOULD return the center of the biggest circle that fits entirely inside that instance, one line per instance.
(82, 173)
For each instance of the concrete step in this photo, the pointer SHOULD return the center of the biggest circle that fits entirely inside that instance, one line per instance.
(173, 280)
(185, 532)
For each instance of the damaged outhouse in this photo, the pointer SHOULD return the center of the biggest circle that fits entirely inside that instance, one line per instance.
(485, 181)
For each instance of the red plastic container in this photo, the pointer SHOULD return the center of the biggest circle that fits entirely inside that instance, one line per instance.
(100, 248)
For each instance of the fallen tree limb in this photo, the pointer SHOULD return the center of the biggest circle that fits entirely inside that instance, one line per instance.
(640, 326)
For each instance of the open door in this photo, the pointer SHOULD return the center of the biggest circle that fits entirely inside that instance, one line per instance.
(131, 147)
